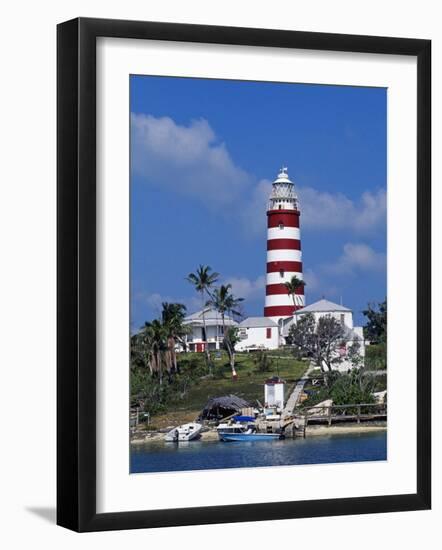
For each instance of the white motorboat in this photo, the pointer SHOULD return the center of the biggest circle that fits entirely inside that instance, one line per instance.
(185, 432)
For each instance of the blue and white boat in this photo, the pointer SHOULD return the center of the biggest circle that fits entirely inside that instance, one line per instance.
(244, 429)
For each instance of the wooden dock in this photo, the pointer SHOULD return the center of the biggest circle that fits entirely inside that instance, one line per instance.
(329, 415)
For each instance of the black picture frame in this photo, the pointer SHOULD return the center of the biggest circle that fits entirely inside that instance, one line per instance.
(77, 287)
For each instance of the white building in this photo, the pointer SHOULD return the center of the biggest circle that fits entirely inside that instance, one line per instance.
(254, 332)
(343, 315)
(257, 333)
(213, 336)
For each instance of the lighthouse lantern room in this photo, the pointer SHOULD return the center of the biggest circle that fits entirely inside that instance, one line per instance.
(284, 259)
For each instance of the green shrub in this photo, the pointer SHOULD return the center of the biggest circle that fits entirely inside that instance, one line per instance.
(262, 362)
(344, 389)
(376, 357)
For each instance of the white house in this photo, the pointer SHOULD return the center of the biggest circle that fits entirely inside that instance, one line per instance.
(343, 315)
(254, 332)
(264, 333)
(257, 333)
(213, 336)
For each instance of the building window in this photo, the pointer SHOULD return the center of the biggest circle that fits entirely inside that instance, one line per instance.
(281, 225)
(269, 333)
(281, 273)
(342, 319)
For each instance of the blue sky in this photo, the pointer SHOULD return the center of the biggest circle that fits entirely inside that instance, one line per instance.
(203, 155)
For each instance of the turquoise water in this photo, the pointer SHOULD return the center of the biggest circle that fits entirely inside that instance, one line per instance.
(212, 455)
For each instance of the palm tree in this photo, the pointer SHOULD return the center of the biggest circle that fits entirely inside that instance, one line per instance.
(155, 341)
(224, 301)
(203, 281)
(173, 317)
(292, 286)
(142, 345)
(140, 349)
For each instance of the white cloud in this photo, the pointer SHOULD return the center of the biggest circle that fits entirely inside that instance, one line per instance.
(190, 160)
(319, 284)
(321, 210)
(312, 280)
(154, 301)
(357, 257)
(253, 215)
(331, 280)
(186, 159)
(150, 304)
(247, 288)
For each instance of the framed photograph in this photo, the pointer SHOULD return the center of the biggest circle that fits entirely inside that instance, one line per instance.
(240, 211)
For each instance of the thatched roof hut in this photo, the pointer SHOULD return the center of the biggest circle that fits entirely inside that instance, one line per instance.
(221, 407)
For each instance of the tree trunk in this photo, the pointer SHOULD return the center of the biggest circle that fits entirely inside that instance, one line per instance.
(171, 361)
(174, 358)
(230, 352)
(183, 343)
(149, 364)
(326, 372)
(153, 364)
(206, 345)
(160, 367)
(232, 365)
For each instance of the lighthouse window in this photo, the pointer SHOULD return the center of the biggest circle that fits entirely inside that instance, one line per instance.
(281, 225)
(281, 273)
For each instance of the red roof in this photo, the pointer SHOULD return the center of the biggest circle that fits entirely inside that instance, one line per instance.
(274, 380)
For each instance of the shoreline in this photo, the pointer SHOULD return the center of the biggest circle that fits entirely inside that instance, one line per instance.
(314, 431)
(311, 431)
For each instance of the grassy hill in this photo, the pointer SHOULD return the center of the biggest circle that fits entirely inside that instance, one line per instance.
(185, 396)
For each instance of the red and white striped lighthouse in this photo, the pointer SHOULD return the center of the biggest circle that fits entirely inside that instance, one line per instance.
(284, 258)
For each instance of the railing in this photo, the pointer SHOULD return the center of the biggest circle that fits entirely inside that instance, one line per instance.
(191, 340)
(356, 412)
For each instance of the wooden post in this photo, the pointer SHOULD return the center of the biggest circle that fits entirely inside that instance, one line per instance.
(359, 414)
(329, 415)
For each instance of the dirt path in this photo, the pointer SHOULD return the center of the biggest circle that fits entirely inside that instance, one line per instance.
(297, 390)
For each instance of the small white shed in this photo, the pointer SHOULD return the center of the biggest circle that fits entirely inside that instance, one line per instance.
(274, 392)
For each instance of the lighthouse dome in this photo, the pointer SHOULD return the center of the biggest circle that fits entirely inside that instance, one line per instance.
(283, 176)
(283, 194)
